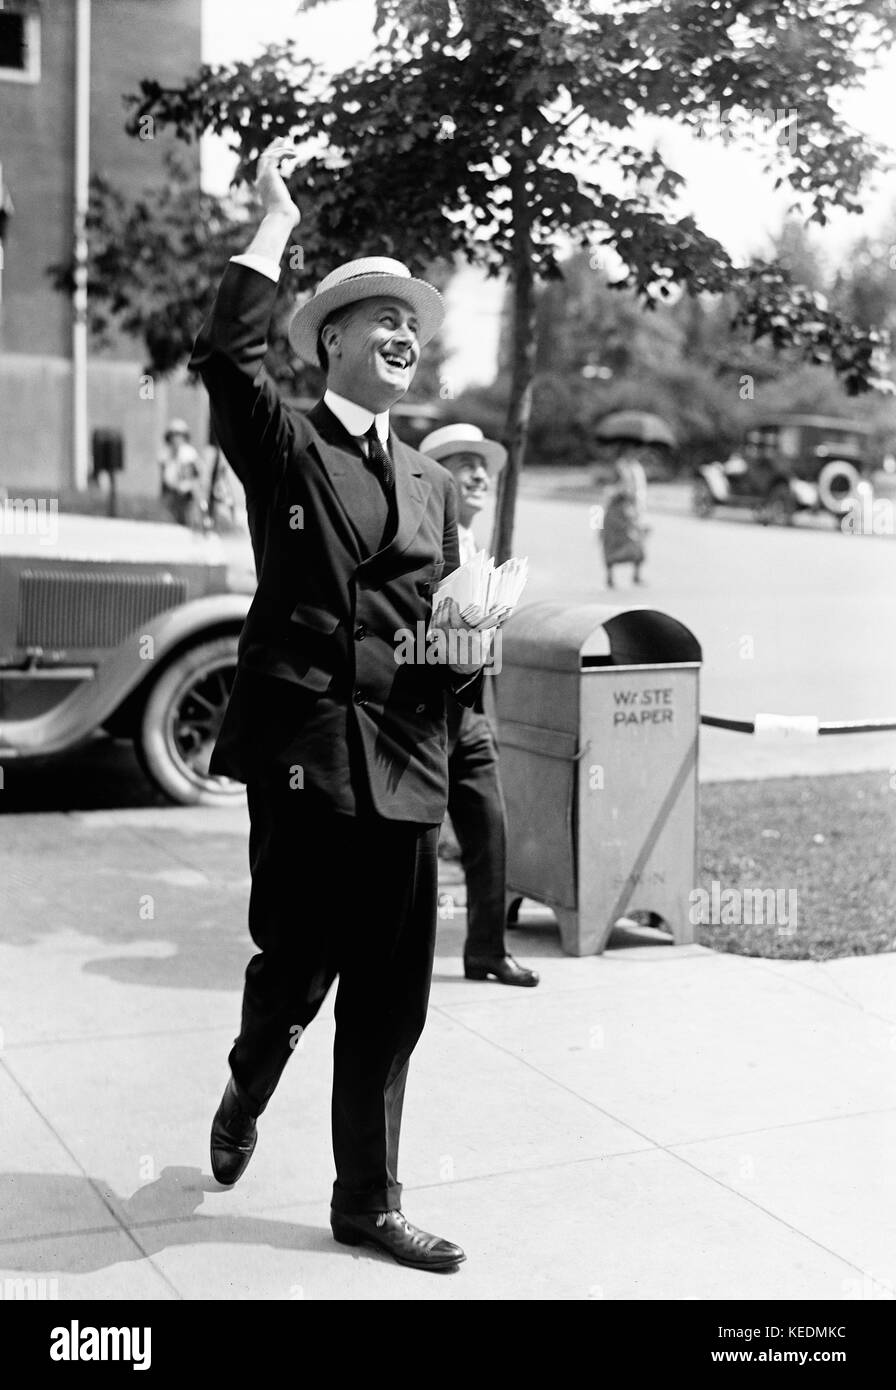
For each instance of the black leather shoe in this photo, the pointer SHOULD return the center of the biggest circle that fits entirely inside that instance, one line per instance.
(393, 1233)
(504, 968)
(234, 1137)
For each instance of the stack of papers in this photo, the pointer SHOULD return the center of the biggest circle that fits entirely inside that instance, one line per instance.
(477, 582)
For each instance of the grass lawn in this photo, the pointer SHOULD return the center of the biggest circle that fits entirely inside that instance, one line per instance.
(826, 845)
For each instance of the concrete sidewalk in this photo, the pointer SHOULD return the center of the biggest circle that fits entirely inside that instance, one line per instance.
(656, 1123)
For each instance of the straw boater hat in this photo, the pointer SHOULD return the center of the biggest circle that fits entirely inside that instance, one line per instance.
(464, 439)
(362, 279)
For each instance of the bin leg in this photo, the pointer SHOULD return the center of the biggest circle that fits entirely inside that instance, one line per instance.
(675, 910)
(512, 904)
(578, 936)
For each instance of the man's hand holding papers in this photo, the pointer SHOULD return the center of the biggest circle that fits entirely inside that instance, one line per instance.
(472, 603)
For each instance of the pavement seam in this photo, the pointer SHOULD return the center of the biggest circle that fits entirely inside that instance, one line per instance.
(787, 1124)
(93, 1184)
(167, 850)
(114, 1037)
(675, 1156)
(842, 995)
(545, 1077)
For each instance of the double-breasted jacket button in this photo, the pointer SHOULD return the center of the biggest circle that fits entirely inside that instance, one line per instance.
(421, 709)
(360, 632)
(359, 697)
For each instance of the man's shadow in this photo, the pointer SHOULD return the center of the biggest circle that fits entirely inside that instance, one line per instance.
(162, 1214)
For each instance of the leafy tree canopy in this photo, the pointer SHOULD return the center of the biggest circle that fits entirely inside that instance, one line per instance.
(502, 130)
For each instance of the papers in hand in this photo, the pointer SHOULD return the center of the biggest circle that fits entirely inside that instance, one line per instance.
(477, 583)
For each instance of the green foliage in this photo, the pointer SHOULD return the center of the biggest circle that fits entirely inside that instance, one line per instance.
(499, 130)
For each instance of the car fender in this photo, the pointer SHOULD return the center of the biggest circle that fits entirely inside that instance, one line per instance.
(714, 476)
(805, 494)
(134, 661)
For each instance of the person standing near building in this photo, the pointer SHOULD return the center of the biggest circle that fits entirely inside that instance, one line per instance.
(341, 745)
(475, 799)
(180, 473)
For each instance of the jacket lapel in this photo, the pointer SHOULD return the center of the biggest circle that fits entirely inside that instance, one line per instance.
(411, 488)
(331, 447)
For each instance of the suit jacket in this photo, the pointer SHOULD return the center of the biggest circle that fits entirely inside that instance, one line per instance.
(319, 700)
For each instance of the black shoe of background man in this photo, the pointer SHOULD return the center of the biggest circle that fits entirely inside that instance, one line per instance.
(234, 1137)
(504, 969)
(391, 1232)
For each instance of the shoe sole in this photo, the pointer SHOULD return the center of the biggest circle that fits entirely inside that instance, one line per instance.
(490, 975)
(441, 1268)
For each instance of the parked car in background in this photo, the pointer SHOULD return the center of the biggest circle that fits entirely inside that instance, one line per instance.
(790, 464)
(126, 627)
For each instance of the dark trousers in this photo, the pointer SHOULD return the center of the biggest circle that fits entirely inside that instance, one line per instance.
(476, 807)
(353, 896)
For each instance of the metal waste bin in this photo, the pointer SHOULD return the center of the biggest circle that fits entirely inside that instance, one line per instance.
(598, 716)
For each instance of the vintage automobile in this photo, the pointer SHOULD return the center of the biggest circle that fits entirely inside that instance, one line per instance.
(790, 464)
(127, 627)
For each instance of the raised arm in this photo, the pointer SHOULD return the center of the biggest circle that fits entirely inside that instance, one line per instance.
(250, 422)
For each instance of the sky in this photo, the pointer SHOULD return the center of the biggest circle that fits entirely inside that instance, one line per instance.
(727, 191)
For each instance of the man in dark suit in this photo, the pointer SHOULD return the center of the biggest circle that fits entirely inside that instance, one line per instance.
(341, 742)
(475, 798)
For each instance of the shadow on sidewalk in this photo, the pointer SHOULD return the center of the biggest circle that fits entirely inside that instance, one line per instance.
(162, 1214)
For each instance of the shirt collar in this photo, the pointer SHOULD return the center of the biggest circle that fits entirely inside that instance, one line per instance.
(356, 418)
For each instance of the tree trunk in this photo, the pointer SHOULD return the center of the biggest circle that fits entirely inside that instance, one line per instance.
(522, 372)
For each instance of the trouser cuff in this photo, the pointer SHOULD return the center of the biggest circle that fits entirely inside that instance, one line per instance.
(354, 1203)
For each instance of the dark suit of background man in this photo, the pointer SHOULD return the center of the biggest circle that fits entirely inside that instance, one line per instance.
(475, 798)
(343, 750)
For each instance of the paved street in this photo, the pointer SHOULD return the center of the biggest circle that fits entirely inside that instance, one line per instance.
(657, 1122)
(797, 620)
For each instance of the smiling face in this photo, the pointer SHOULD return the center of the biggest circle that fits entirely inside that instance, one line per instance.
(373, 352)
(472, 481)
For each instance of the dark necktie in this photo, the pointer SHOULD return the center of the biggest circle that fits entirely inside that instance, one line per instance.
(380, 462)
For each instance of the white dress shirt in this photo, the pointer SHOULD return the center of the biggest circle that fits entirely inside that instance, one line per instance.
(466, 543)
(357, 419)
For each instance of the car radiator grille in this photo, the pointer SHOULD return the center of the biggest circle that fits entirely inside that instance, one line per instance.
(70, 608)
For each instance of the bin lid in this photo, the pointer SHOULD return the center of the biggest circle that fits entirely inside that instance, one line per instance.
(570, 637)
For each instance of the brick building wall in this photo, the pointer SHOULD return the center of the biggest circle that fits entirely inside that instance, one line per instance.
(130, 39)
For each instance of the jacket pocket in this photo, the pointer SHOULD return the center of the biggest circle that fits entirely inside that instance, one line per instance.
(317, 619)
(286, 666)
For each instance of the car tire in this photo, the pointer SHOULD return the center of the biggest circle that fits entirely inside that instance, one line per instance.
(181, 720)
(831, 493)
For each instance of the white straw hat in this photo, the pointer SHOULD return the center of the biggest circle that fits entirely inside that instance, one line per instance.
(362, 279)
(464, 439)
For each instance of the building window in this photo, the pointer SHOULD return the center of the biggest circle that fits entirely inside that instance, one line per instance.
(19, 43)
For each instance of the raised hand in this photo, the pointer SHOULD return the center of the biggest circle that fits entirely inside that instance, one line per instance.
(280, 155)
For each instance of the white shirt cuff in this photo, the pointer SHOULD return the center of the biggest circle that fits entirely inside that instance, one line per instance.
(263, 264)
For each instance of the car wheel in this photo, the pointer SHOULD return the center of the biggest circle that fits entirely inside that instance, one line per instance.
(837, 483)
(781, 507)
(702, 501)
(181, 720)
